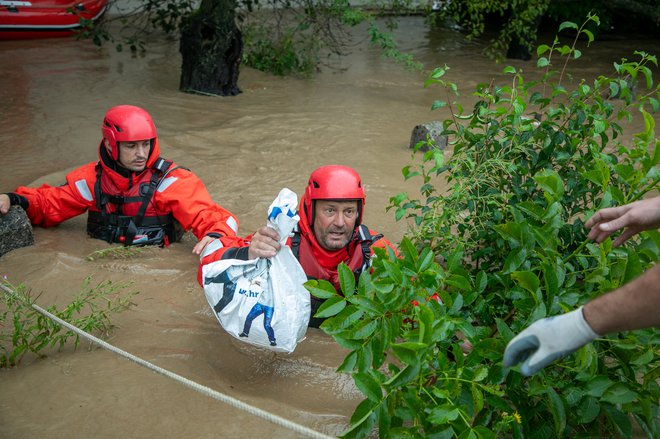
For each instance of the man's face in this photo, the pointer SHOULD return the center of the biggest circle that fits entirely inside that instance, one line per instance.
(133, 155)
(334, 222)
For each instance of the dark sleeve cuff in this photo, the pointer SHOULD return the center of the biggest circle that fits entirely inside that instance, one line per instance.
(214, 235)
(18, 200)
(236, 253)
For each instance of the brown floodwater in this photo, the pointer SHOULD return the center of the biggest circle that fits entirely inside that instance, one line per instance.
(53, 95)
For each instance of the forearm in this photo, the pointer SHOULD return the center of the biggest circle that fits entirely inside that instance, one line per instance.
(635, 305)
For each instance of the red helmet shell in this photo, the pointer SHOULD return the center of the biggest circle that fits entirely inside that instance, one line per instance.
(127, 123)
(334, 182)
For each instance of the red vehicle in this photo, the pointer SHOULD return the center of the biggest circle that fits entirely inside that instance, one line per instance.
(27, 19)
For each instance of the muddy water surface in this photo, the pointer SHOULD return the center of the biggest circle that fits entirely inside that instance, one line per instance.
(245, 148)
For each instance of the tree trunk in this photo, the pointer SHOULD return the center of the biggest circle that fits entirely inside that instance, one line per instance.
(211, 48)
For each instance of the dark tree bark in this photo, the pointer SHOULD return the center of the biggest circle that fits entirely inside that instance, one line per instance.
(211, 48)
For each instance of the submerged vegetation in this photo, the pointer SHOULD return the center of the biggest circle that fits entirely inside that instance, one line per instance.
(24, 329)
(503, 246)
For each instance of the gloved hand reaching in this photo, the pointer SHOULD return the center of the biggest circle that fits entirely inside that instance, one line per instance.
(547, 340)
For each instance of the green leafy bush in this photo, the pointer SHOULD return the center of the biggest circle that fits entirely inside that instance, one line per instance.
(23, 329)
(501, 247)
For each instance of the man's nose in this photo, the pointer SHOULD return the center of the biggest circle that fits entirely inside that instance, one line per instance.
(339, 221)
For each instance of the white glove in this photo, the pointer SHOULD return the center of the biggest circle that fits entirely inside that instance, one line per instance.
(547, 340)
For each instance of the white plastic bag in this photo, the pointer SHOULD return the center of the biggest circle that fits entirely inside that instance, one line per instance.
(263, 301)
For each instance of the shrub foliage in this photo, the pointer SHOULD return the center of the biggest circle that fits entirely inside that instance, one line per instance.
(502, 246)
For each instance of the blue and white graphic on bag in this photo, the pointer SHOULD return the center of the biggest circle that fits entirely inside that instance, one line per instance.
(263, 301)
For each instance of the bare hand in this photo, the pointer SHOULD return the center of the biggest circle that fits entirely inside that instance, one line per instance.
(5, 204)
(635, 217)
(201, 245)
(265, 243)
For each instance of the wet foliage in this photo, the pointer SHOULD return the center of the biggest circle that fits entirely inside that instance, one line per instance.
(503, 246)
(23, 329)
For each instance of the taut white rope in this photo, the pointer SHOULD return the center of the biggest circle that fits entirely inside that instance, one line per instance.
(185, 381)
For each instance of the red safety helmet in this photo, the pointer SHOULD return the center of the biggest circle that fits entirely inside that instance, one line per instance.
(334, 182)
(127, 123)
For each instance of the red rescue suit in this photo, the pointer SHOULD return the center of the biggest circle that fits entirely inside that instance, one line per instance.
(163, 197)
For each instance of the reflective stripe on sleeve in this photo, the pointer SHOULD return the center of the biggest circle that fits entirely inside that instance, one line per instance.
(231, 222)
(165, 183)
(213, 246)
(83, 189)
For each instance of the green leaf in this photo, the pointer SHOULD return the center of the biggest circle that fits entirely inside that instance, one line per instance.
(403, 376)
(468, 434)
(504, 330)
(509, 69)
(482, 281)
(320, 288)
(346, 279)
(368, 305)
(558, 411)
(384, 287)
(331, 307)
(597, 386)
(618, 420)
(459, 282)
(349, 363)
(551, 182)
(568, 25)
(484, 433)
(344, 319)
(347, 343)
(368, 385)
(588, 410)
(542, 62)
(643, 357)
(438, 104)
(589, 34)
(408, 352)
(619, 393)
(541, 49)
(426, 259)
(443, 414)
(514, 260)
(394, 272)
(527, 280)
(364, 329)
(362, 420)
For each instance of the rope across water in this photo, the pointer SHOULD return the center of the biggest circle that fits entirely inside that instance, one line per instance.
(186, 382)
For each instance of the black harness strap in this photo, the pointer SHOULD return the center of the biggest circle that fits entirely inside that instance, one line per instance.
(295, 242)
(160, 167)
(366, 241)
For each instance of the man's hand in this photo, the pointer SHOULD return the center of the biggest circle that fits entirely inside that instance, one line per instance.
(201, 245)
(5, 204)
(636, 217)
(547, 340)
(265, 243)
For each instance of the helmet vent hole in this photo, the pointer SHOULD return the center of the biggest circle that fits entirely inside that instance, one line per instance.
(118, 128)
(316, 185)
